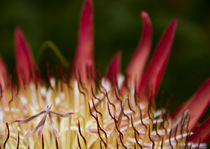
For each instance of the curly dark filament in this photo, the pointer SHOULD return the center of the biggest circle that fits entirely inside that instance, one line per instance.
(118, 130)
(156, 130)
(130, 106)
(98, 125)
(141, 118)
(99, 134)
(121, 141)
(116, 94)
(118, 89)
(148, 112)
(170, 133)
(100, 87)
(94, 95)
(8, 135)
(120, 134)
(175, 133)
(42, 142)
(150, 138)
(80, 132)
(91, 112)
(165, 129)
(10, 101)
(109, 111)
(78, 142)
(18, 141)
(137, 141)
(80, 90)
(135, 131)
(107, 96)
(121, 111)
(96, 109)
(82, 85)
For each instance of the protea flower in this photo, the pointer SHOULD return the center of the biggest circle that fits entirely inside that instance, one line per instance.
(84, 110)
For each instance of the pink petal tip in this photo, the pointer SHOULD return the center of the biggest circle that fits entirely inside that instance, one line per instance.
(138, 61)
(83, 65)
(24, 61)
(114, 69)
(149, 85)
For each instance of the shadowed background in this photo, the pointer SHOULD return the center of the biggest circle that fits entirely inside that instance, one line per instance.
(118, 26)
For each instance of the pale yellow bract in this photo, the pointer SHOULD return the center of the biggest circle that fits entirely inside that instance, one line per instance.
(96, 118)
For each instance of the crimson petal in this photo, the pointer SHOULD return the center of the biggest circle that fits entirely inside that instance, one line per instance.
(196, 106)
(114, 68)
(151, 80)
(137, 64)
(83, 65)
(25, 64)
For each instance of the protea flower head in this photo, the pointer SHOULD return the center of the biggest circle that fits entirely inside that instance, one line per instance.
(85, 110)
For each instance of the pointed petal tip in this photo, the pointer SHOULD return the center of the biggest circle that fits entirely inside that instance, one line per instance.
(114, 68)
(145, 16)
(174, 23)
(18, 33)
(24, 61)
(172, 27)
(83, 65)
(136, 66)
(17, 29)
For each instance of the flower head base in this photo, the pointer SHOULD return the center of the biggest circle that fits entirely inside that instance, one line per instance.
(87, 111)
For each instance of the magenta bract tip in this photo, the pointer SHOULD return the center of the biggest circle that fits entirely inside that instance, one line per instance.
(83, 65)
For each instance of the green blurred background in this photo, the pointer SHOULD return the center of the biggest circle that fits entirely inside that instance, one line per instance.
(117, 27)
